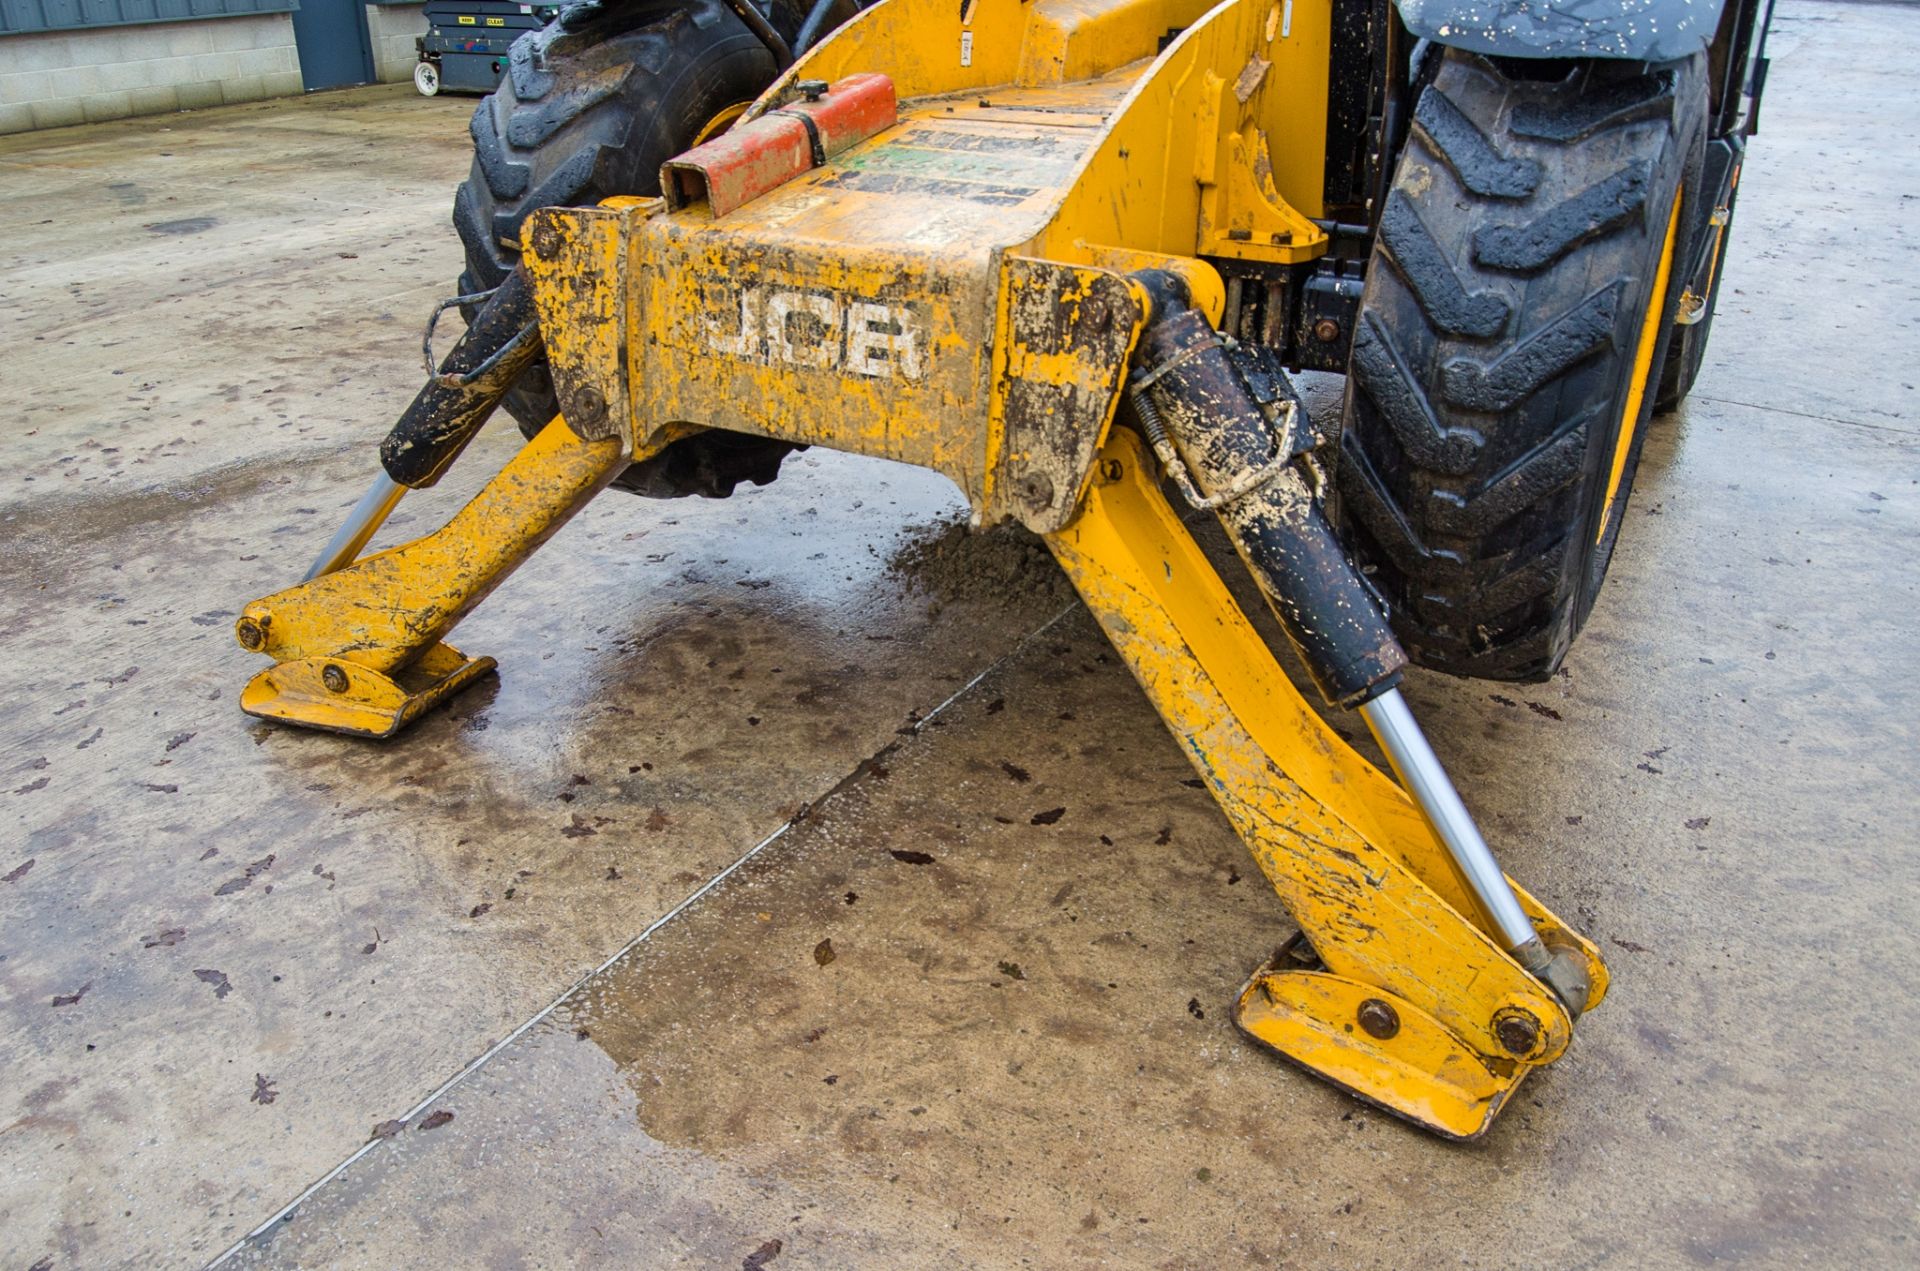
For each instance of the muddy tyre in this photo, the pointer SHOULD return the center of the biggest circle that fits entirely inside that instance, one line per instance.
(590, 107)
(1515, 315)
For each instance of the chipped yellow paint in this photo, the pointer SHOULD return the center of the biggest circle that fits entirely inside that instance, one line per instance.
(952, 293)
(1420, 1070)
(1347, 851)
(380, 620)
(874, 281)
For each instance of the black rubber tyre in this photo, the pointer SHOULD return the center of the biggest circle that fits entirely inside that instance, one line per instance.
(589, 108)
(1494, 359)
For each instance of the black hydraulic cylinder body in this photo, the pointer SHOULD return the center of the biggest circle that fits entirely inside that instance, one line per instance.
(1198, 386)
(500, 342)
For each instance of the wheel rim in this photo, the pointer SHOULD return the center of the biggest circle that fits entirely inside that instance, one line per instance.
(1642, 371)
(426, 79)
(720, 122)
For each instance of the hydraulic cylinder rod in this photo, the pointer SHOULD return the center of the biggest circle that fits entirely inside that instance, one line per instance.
(368, 515)
(1423, 777)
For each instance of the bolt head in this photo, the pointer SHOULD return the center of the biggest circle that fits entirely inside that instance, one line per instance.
(1097, 314)
(545, 240)
(1037, 489)
(334, 678)
(1378, 1019)
(1518, 1032)
(589, 405)
(1326, 330)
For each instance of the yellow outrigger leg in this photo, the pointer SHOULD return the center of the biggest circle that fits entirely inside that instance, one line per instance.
(359, 649)
(1418, 1010)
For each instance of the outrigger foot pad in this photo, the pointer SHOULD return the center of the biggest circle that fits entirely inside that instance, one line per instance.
(1377, 1047)
(339, 696)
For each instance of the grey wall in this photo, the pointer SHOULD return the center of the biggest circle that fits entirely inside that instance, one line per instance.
(54, 78)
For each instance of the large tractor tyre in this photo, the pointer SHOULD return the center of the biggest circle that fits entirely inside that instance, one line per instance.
(590, 107)
(1516, 310)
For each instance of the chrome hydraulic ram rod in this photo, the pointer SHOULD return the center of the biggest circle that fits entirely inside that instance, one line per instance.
(1426, 780)
(1234, 437)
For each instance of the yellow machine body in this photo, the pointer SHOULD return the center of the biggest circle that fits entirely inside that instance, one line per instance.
(954, 292)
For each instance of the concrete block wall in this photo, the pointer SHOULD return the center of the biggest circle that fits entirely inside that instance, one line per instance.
(393, 28)
(55, 78)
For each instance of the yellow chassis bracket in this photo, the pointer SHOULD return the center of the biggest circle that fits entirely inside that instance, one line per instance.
(360, 650)
(1451, 1023)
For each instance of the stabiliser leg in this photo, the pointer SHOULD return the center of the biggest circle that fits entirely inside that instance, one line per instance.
(1228, 425)
(359, 645)
(1419, 1009)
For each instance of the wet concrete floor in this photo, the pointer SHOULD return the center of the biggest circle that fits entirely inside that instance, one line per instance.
(242, 966)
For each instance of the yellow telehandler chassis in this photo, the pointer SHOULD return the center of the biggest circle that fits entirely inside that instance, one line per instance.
(963, 290)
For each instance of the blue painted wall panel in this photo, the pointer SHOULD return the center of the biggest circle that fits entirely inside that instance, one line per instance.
(20, 16)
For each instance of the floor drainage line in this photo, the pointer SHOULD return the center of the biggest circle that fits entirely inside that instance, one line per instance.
(479, 1061)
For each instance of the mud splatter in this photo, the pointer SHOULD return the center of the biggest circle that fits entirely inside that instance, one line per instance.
(1006, 565)
(218, 979)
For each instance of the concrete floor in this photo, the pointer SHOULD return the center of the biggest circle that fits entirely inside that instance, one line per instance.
(234, 956)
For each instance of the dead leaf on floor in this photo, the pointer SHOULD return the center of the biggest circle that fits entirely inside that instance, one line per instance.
(760, 1257)
(1048, 817)
(69, 999)
(823, 952)
(434, 1120)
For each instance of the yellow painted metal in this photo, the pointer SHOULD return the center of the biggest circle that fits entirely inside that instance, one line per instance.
(721, 121)
(1642, 370)
(1056, 130)
(380, 621)
(1421, 1071)
(338, 696)
(1349, 854)
(1204, 284)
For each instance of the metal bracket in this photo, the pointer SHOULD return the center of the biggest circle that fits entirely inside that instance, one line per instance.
(1062, 337)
